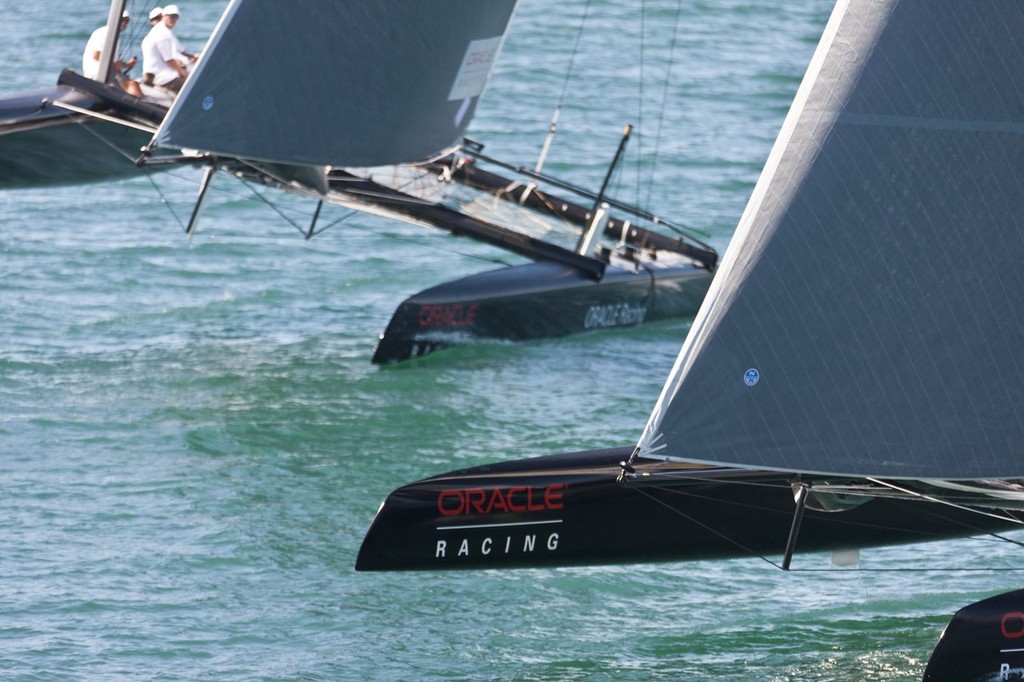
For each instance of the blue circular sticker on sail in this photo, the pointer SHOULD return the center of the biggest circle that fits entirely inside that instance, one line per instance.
(751, 377)
(208, 103)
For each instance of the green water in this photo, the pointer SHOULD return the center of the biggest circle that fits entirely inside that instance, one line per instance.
(193, 440)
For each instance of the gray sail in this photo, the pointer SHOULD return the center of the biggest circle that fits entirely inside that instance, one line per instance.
(338, 82)
(867, 317)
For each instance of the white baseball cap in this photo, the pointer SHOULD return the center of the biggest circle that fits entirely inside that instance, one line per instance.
(156, 12)
(171, 9)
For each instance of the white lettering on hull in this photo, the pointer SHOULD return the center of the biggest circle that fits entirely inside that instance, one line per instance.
(488, 546)
(614, 315)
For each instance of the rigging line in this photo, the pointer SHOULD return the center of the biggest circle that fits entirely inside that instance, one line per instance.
(500, 213)
(67, 110)
(938, 500)
(163, 200)
(640, 100)
(306, 233)
(223, 191)
(553, 125)
(664, 100)
(274, 207)
(138, 27)
(499, 209)
(765, 559)
(647, 482)
(687, 232)
(460, 199)
(835, 519)
(711, 530)
(346, 216)
(990, 534)
(404, 197)
(334, 223)
(572, 58)
(426, 176)
(557, 218)
(238, 195)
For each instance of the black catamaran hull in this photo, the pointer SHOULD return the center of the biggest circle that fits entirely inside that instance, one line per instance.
(44, 144)
(983, 642)
(69, 152)
(540, 300)
(569, 509)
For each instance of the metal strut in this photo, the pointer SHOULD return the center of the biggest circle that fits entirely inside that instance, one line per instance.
(596, 214)
(316, 214)
(200, 200)
(794, 529)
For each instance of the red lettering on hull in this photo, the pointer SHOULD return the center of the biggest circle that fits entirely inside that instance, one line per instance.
(478, 501)
(456, 315)
(1012, 625)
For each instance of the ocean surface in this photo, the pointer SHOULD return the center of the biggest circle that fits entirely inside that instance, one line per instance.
(193, 440)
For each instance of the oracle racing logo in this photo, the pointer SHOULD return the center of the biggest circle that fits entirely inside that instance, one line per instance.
(478, 501)
(614, 315)
(457, 315)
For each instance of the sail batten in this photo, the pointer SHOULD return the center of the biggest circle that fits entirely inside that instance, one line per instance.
(866, 317)
(339, 82)
(883, 121)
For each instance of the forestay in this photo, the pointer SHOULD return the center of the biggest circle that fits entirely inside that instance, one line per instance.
(867, 318)
(338, 82)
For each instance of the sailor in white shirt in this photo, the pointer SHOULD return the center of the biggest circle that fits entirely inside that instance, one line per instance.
(164, 59)
(91, 58)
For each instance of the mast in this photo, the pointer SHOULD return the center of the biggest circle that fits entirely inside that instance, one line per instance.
(599, 216)
(109, 53)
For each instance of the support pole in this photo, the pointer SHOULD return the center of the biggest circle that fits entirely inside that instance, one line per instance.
(200, 200)
(596, 227)
(316, 214)
(595, 215)
(794, 529)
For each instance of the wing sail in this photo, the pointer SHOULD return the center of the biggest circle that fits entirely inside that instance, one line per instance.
(331, 82)
(866, 319)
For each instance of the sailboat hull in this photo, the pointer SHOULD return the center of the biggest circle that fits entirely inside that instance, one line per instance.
(42, 144)
(67, 153)
(540, 300)
(981, 642)
(569, 510)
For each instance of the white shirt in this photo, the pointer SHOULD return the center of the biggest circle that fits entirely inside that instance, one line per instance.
(90, 64)
(160, 45)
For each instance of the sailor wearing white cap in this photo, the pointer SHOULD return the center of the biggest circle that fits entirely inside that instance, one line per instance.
(164, 59)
